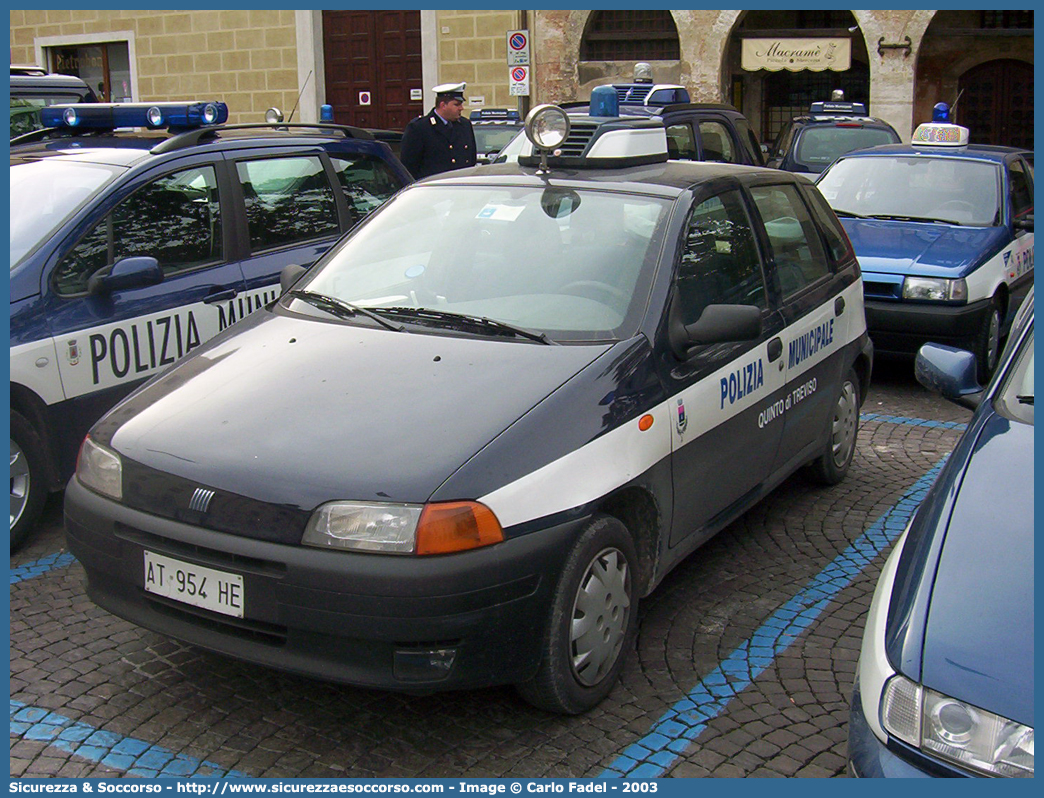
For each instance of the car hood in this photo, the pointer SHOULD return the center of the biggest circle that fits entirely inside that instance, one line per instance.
(979, 636)
(296, 412)
(895, 247)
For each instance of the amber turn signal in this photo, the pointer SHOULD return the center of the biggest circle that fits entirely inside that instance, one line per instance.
(645, 422)
(456, 526)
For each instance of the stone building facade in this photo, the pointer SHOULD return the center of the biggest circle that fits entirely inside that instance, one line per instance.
(377, 68)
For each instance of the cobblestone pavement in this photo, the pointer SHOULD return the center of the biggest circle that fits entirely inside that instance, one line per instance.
(93, 695)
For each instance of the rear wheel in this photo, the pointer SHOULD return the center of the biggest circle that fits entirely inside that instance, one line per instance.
(833, 464)
(592, 622)
(987, 342)
(28, 483)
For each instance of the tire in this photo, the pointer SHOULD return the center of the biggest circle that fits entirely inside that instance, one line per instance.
(28, 479)
(832, 465)
(987, 343)
(592, 622)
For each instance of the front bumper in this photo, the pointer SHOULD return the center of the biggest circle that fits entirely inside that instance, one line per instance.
(362, 619)
(899, 328)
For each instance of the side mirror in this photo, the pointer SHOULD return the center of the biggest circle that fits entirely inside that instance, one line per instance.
(717, 324)
(1025, 223)
(137, 272)
(949, 372)
(290, 275)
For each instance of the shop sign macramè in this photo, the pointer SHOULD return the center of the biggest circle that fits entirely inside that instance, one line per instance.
(797, 54)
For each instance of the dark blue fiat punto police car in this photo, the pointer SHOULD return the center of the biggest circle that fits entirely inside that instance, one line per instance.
(130, 249)
(461, 448)
(944, 233)
(945, 677)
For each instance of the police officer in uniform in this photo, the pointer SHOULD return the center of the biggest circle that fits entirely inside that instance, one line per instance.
(442, 140)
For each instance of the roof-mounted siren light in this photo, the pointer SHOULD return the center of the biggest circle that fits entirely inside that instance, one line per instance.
(326, 113)
(604, 101)
(109, 116)
(643, 72)
(837, 96)
(940, 132)
(547, 127)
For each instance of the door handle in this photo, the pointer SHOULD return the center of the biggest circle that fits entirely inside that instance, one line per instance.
(839, 306)
(775, 349)
(220, 296)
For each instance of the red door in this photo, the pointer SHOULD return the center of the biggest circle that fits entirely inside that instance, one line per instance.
(996, 103)
(373, 63)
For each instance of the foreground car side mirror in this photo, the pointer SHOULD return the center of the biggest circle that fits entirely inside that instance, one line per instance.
(137, 272)
(291, 274)
(950, 372)
(717, 324)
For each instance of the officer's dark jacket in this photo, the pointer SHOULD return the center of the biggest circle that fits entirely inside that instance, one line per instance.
(430, 146)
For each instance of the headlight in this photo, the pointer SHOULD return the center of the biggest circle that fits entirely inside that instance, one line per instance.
(935, 289)
(100, 469)
(403, 528)
(955, 731)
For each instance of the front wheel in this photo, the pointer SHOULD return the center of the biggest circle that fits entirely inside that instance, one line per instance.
(28, 483)
(833, 464)
(592, 622)
(987, 342)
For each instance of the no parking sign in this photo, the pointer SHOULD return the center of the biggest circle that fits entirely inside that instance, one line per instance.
(518, 48)
(519, 79)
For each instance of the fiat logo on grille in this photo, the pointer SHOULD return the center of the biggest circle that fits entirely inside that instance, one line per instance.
(201, 499)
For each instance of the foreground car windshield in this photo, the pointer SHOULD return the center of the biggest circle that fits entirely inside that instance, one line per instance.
(44, 194)
(572, 264)
(955, 190)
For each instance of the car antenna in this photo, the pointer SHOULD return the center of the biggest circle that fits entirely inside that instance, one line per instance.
(300, 94)
(953, 108)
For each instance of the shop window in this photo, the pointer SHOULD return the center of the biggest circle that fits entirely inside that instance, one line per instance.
(105, 67)
(630, 36)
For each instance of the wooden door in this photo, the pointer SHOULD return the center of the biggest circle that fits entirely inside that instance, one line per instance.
(996, 103)
(374, 55)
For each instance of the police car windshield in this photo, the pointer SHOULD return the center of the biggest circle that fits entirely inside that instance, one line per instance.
(45, 193)
(493, 138)
(574, 264)
(915, 187)
(821, 145)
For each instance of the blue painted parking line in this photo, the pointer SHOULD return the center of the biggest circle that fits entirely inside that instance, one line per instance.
(650, 756)
(41, 566)
(916, 422)
(133, 757)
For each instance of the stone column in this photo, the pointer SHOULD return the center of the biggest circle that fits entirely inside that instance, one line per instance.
(893, 71)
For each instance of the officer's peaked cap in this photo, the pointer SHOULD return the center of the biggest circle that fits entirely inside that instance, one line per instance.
(451, 90)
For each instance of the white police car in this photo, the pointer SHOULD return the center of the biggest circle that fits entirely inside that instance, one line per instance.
(944, 234)
(129, 250)
(461, 448)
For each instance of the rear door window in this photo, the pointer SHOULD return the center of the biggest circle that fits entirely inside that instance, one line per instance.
(367, 183)
(288, 201)
(796, 248)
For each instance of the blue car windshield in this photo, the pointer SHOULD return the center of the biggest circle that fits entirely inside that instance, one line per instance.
(47, 192)
(571, 264)
(957, 190)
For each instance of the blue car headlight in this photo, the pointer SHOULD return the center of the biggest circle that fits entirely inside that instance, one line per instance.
(955, 731)
(937, 724)
(935, 289)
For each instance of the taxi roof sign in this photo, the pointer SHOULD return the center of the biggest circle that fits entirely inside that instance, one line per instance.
(939, 134)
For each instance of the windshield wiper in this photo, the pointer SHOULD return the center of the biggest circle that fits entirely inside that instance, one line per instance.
(340, 308)
(853, 214)
(463, 321)
(899, 218)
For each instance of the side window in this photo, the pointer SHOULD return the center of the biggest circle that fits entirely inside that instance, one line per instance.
(717, 144)
(681, 144)
(796, 249)
(367, 183)
(747, 136)
(719, 262)
(779, 149)
(833, 232)
(288, 200)
(1021, 192)
(175, 219)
